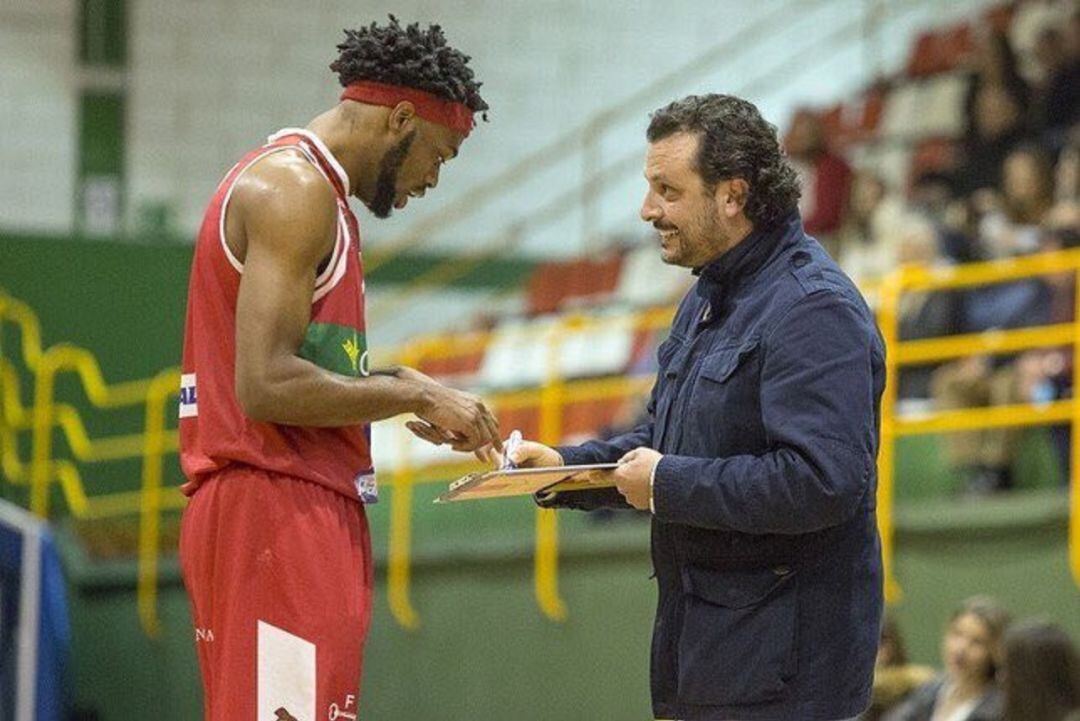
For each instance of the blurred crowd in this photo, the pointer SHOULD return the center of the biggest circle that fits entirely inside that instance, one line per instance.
(1008, 187)
(992, 670)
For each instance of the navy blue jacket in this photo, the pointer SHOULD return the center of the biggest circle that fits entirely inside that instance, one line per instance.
(764, 541)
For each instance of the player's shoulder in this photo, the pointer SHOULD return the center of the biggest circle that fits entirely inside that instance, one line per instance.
(285, 183)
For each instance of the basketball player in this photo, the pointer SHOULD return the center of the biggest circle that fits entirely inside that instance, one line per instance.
(277, 394)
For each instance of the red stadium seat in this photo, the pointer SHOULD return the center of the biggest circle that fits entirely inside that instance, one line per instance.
(934, 155)
(455, 365)
(956, 45)
(552, 284)
(1000, 17)
(924, 55)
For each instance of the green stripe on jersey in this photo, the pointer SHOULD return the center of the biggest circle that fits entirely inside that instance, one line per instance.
(337, 348)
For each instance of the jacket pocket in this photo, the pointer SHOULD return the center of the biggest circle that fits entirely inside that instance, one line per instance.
(719, 365)
(738, 641)
(724, 405)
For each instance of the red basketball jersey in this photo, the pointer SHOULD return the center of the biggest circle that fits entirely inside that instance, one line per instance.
(214, 432)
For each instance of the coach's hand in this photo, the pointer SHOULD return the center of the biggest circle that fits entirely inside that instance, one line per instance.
(530, 454)
(457, 418)
(633, 475)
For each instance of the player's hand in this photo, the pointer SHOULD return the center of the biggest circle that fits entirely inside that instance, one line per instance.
(633, 475)
(488, 455)
(458, 418)
(530, 454)
(432, 434)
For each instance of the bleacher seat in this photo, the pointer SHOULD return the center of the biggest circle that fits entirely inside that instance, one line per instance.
(593, 350)
(957, 44)
(520, 352)
(891, 162)
(646, 280)
(461, 359)
(999, 17)
(934, 155)
(941, 105)
(553, 284)
(902, 109)
(924, 55)
(940, 51)
(517, 355)
(928, 107)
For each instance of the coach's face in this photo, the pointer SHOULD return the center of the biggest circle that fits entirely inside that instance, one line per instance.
(696, 223)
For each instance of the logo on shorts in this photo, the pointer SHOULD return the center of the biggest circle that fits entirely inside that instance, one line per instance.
(189, 406)
(342, 712)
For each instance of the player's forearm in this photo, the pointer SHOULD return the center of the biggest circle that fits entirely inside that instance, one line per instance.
(297, 392)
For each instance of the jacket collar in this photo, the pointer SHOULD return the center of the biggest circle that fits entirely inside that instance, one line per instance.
(719, 277)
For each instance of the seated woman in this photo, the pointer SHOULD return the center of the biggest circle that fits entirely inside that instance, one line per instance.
(967, 690)
(1042, 673)
(895, 678)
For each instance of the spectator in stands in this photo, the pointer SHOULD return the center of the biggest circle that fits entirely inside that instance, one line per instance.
(934, 195)
(1046, 375)
(1067, 173)
(1011, 224)
(996, 99)
(1072, 39)
(866, 247)
(894, 677)
(825, 178)
(1042, 673)
(1057, 96)
(923, 315)
(982, 459)
(1028, 22)
(967, 690)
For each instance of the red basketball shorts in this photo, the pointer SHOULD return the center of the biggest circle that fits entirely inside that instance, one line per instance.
(279, 573)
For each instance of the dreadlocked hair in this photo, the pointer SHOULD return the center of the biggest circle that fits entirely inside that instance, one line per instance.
(410, 57)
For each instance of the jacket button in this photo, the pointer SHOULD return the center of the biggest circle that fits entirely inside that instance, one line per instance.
(800, 258)
(782, 570)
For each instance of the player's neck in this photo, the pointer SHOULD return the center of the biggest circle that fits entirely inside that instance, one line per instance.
(339, 133)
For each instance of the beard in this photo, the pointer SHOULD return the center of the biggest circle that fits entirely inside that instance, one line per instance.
(382, 205)
(699, 240)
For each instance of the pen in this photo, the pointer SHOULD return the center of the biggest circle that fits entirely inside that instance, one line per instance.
(509, 447)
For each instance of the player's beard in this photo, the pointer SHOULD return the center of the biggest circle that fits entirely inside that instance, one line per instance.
(382, 205)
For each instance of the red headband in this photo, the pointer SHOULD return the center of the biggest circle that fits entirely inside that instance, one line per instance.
(456, 116)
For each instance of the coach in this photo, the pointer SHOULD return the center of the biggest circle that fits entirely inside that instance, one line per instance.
(757, 459)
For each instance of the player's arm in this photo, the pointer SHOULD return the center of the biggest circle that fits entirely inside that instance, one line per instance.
(288, 215)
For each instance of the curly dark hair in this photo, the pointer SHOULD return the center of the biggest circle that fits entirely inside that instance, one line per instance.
(410, 57)
(736, 142)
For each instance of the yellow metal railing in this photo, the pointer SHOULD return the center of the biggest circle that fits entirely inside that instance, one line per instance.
(550, 399)
(906, 353)
(46, 415)
(155, 395)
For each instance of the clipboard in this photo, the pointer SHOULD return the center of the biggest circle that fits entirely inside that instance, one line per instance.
(522, 482)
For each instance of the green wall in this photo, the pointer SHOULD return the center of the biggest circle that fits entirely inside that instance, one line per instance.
(485, 652)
